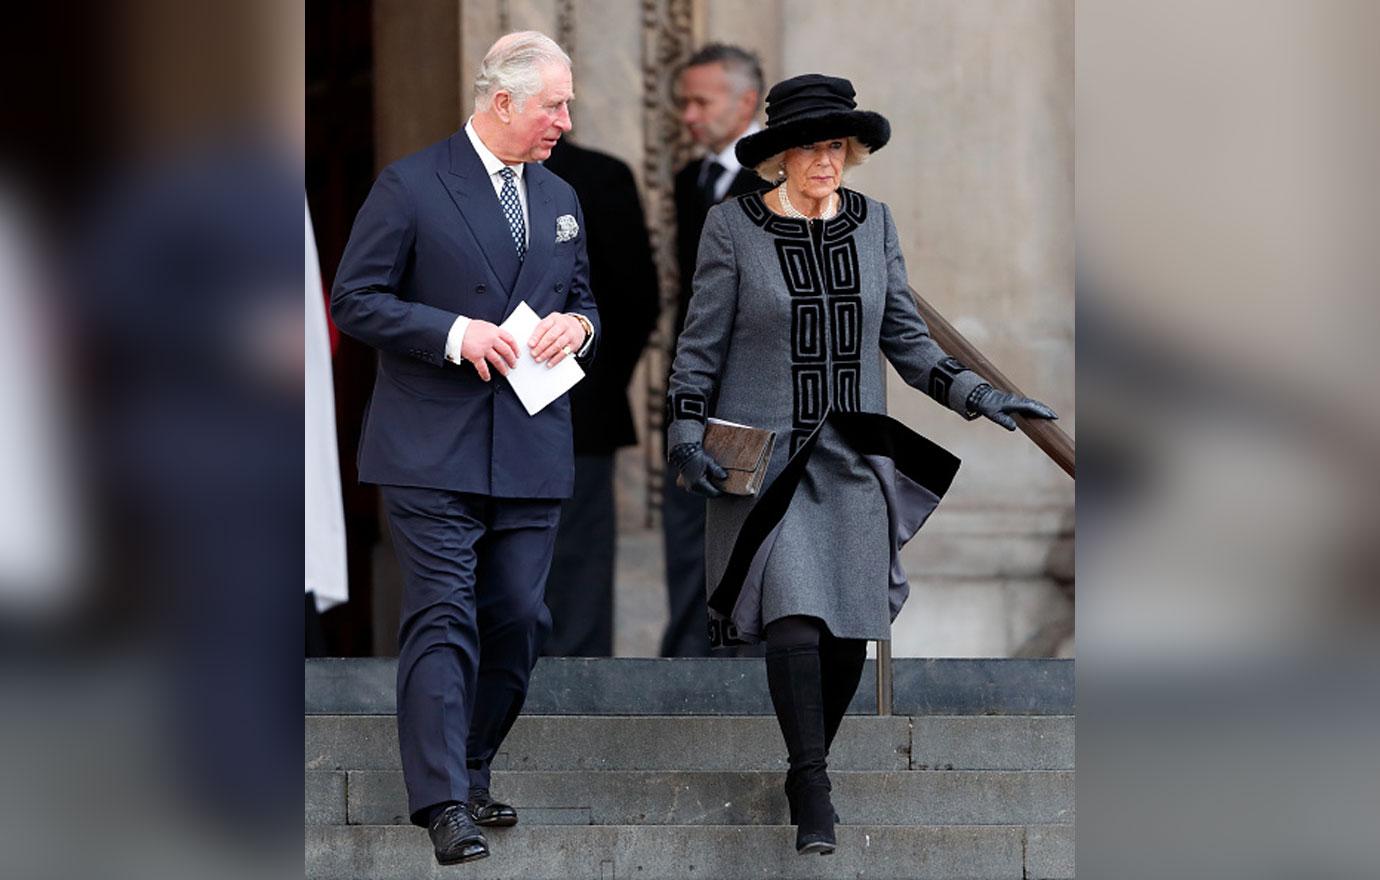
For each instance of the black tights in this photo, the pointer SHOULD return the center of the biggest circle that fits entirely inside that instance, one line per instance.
(796, 631)
(800, 631)
(840, 662)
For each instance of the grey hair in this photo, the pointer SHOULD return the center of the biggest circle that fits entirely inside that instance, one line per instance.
(772, 169)
(513, 64)
(743, 67)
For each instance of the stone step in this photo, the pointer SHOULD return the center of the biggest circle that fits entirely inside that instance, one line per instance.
(703, 852)
(596, 743)
(631, 797)
(718, 686)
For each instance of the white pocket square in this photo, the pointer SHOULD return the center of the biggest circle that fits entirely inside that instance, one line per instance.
(566, 228)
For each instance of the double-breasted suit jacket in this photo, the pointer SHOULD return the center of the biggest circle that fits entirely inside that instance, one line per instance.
(429, 244)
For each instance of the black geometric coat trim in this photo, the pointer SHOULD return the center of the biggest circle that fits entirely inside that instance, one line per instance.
(820, 268)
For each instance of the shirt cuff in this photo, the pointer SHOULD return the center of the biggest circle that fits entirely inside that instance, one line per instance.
(455, 338)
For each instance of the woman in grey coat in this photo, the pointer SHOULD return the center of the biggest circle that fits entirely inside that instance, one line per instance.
(798, 295)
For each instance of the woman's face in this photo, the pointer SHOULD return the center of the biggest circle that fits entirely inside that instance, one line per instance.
(816, 170)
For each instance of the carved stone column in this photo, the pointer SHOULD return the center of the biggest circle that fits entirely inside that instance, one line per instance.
(668, 40)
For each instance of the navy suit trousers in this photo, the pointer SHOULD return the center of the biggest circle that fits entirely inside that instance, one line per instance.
(473, 623)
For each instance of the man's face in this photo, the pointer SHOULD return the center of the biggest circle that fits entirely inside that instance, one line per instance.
(710, 110)
(532, 131)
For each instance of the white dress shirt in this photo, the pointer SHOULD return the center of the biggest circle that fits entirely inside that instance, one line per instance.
(729, 160)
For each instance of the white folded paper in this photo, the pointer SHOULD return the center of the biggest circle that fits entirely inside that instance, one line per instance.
(536, 385)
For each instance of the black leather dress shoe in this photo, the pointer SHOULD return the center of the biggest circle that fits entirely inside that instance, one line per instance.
(489, 812)
(456, 838)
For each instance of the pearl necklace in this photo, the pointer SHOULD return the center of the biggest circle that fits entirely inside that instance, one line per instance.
(791, 209)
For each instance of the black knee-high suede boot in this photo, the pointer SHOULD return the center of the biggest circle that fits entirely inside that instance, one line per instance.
(793, 676)
(841, 665)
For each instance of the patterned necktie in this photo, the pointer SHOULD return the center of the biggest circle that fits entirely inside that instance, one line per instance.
(512, 209)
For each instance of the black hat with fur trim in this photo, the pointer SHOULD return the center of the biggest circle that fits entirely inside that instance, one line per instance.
(810, 108)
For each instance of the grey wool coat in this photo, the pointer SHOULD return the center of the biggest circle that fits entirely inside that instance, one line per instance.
(786, 330)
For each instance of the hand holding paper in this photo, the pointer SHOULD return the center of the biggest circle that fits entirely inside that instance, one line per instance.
(555, 338)
(488, 348)
(536, 384)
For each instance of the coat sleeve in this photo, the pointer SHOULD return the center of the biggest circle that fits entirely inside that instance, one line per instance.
(906, 339)
(580, 298)
(703, 345)
(364, 299)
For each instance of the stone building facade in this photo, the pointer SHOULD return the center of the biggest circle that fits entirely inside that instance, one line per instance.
(979, 176)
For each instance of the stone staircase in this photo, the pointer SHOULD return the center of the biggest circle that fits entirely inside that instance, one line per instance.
(673, 768)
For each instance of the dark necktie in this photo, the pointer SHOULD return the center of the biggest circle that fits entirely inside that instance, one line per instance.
(512, 209)
(709, 179)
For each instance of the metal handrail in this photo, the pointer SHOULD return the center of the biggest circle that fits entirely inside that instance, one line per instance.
(1043, 433)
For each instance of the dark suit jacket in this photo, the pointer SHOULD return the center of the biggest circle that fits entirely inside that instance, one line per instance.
(690, 213)
(624, 279)
(429, 244)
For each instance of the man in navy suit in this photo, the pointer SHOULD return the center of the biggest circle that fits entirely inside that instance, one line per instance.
(448, 243)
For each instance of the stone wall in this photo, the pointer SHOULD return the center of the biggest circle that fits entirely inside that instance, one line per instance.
(979, 176)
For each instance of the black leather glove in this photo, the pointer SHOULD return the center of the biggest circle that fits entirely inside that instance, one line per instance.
(698, 467)
(988, 401)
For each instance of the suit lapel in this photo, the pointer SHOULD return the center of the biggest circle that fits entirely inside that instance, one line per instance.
(473, 194)
(541, 232)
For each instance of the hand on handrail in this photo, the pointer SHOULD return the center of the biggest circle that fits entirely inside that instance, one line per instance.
(999, 406)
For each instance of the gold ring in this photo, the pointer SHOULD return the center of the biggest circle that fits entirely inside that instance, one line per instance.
(566, 349)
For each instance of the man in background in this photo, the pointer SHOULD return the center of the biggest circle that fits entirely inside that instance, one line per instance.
(623, 278)
(719, 91)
